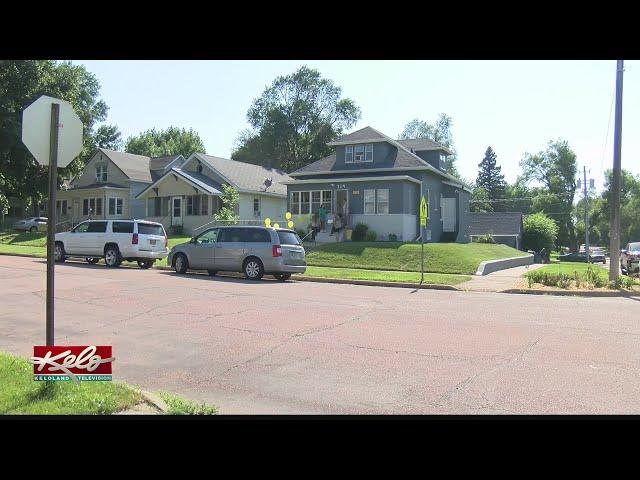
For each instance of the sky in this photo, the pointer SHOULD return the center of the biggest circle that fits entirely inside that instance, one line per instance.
(513, 106)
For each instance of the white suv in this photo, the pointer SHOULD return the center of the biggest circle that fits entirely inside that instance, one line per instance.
(115, 241)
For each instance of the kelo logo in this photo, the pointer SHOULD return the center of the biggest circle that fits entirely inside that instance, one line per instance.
(85, 363)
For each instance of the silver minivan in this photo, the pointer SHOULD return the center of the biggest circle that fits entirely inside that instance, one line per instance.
(254, 251)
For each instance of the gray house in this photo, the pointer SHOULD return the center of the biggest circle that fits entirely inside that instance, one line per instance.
(504, 227)
(373, 179)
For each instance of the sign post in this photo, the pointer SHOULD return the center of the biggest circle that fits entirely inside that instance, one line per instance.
(424, 215)
(52, 131)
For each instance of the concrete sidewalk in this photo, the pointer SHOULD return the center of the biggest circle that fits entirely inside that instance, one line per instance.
(498, 281)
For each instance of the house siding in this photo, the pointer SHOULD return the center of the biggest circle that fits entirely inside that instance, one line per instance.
(88, 176)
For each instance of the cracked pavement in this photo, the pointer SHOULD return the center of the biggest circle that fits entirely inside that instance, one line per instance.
(302, 347)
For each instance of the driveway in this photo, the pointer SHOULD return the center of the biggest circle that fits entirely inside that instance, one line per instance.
(302, 347)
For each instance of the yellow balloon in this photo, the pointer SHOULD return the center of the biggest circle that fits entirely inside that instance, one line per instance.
(288, 215)
(275, 225)
(290, 224)
(267, 221)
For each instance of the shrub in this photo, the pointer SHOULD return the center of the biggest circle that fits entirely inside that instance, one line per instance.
(485, 239)
(393, 237)
(539, 232)
(359, 233)
(622, 282)
(176, 229)
(371, 236)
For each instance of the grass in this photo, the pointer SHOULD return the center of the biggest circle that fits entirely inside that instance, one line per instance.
(385, 276)
(20, 394)
(576, 275)
(180, 406)
(458, 258)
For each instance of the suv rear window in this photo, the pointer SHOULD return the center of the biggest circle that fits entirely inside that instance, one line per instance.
(122, 227)
(256, 235)
(288, 238)
(150, 229)
(97, 227)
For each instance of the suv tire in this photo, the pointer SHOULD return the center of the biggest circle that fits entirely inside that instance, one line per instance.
(144, 264)
(58, 252)
(112, 258)
(253, 268)
(33, 229)
(181, 264)
(282, 277)
(212, 273)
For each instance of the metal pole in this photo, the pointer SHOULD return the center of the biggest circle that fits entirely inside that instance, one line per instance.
(422, 256)
(614, 235)
(51, 221)
(586, 217)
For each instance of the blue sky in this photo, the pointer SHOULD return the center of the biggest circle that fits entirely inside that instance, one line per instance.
(513, 106)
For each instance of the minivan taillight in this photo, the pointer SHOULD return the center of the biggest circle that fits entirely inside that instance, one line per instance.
(276, 251)
(134, 240)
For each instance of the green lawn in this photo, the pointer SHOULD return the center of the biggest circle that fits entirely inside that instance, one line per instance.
(569, 268)
(578, 275)
(460, 258)
(385, 276)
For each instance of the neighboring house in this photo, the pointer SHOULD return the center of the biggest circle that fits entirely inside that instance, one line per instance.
(188, 195)
(376, 180)
(504, 227)
(108, 185)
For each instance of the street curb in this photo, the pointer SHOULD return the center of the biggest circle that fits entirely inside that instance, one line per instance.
(31, 255)
(155, 401)
(569, 293)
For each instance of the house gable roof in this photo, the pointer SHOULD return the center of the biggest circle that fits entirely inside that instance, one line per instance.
(422, 145)
(161, 163)
(135, 167)
(495, 223)
(366, 134)
(202, 182)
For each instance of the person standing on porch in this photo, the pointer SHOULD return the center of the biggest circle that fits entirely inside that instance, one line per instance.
(322, 215)
(338, 226)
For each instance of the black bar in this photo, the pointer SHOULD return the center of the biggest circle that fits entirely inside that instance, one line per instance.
(51, 221)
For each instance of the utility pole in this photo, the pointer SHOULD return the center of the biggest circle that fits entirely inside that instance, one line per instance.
(586, 216)
(614, 236)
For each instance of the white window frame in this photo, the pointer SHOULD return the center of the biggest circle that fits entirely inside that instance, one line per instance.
(378, 201)
(59, 209)
(296, 203)
(101, 173)
(369, 192)
(368, 148)
(308, 203)
(327, 202)
(348, 154)
(116, 204)
(95, 205)
(356, 153)
(256, 213)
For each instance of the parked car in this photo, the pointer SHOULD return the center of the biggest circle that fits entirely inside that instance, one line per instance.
(254, 251)
(595, 257)
(31, 224)
(630, 258)
(138, 241)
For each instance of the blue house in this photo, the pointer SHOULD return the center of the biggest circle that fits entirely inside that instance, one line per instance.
(373, 179)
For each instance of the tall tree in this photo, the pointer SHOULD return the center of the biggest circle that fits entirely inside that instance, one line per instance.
(491, 179)
(439, 132)
(108, 136)
(21, 83)
(555, 170)
(172, 141)
(293, 119)
(480, 201)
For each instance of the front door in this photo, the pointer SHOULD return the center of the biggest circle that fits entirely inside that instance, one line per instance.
(176, 211)
(342, 204)
(448, 208)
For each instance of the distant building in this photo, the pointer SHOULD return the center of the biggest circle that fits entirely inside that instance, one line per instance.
(504, 227)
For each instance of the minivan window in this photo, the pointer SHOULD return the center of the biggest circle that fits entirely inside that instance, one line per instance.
(97, 227)
(122, 227)
(150, 229)
(209, 236)
(231, 235)
(288, 238)
(634, 246)
(257, 235)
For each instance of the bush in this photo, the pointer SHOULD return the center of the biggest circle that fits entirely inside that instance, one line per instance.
(359, 233)
(539, 232)
(393, 237)
(485, 239)
(176, 229)
(371, 236)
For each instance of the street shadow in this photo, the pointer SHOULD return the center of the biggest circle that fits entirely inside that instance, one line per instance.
(225, 278)
(100, 265)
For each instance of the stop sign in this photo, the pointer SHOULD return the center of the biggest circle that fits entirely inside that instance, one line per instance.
(36, 131)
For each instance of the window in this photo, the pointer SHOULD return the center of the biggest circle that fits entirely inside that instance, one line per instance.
(231, 235)
(82, 228)
(197, 205)
(304, 203)
(382, 200)
(154, 207)
(257, 235)
(61, 208)
(204, 205)
(101, 174)
(122, 227)
(348, 154)
(368, 152)
(177, 205)
(316, 201)
(210, 236)
(288, 238)
(327, 195)
(369, 201)
(256, 207)
(98, 206)
(97, 227)
(150, 229)
(443, 160)
(92, 206)
(295, 203)
(359, 154)
(115, 206)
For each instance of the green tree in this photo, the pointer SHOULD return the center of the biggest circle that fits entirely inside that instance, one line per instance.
(439, 132)
(539, 231)
(555, 170)
(292, 121)
(108, 136)
(230, 199)
(21, 83)
(491, 180)
(479, 201)
(519, 196)
(172, 141)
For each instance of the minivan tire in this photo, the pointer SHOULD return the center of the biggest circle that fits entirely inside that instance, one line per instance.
(58, 252)
(33, 229)
(112, 258)
(144, 264)
(253, 268)
(181, 264)
(282, 277)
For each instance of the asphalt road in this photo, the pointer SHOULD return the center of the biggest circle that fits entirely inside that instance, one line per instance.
(302, 347)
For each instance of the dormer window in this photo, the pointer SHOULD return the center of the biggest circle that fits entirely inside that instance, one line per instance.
(348, 154)
(101, 174)
(443, 160)
(358, 153)
(368, 152)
